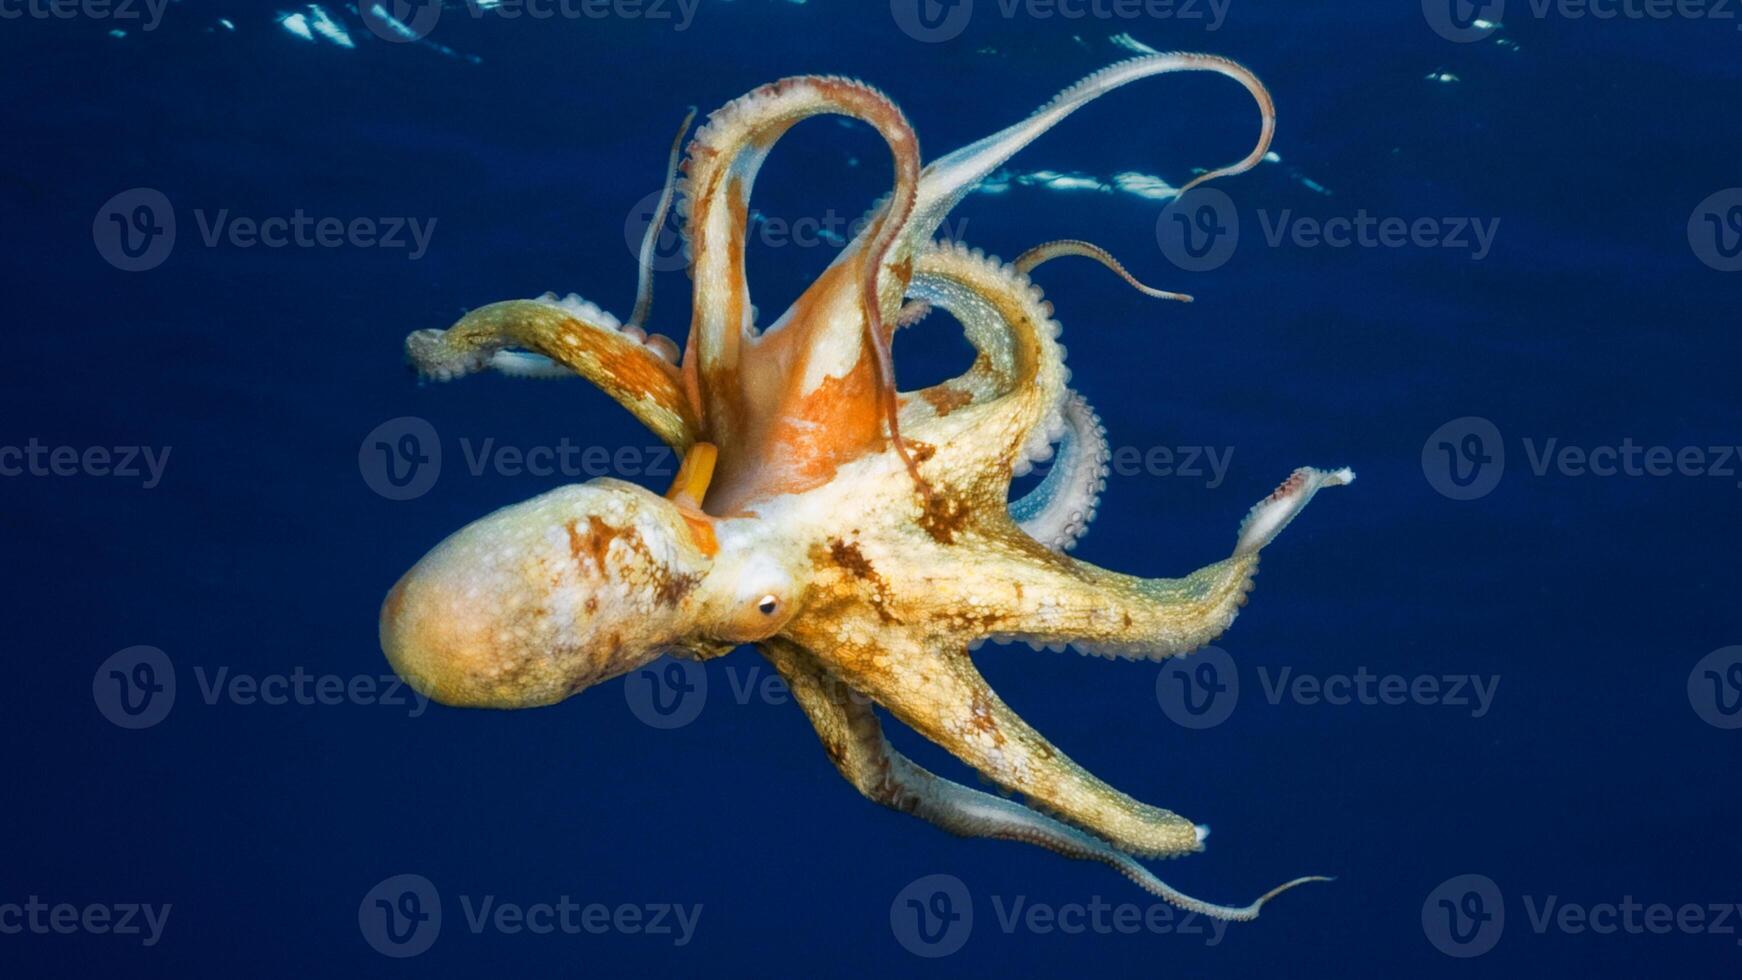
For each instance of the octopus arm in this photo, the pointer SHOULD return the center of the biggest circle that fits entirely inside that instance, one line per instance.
(854, 741)
(1003, 412)
(1064, 247)
(931, 685)
(656, 228)
(1048, 600)
(531, 338)
(948, 179)
(1057, 513)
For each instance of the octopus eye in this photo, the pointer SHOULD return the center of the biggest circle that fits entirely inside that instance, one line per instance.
(767, 604)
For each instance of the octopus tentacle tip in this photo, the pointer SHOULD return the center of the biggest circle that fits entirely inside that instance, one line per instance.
(1227, 913)
(431, 354)
(1285, 886)
(1048, 251)
(1269, 516)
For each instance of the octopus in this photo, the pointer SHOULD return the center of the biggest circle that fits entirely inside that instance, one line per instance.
(859, 536)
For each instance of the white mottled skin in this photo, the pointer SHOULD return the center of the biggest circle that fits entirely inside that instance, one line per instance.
(497, 615)
(850, 573)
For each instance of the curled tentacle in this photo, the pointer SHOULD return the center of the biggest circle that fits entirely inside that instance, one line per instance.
(1003, 314)
(1057, 513)
(650, 240)
(854, 739)
(570, 332)
(1004, 410)
(948, 179)
(1048, 251)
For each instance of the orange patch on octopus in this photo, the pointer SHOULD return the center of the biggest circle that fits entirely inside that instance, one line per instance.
(944, 399)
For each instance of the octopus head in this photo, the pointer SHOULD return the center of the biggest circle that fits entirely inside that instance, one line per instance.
(539, 600)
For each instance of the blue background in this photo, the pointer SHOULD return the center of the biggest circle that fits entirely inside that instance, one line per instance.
(264, 550)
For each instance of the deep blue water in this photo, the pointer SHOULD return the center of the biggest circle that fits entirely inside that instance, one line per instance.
(1601, 771)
